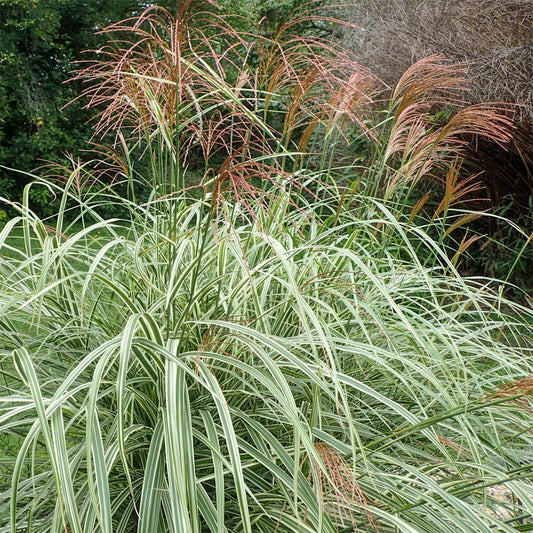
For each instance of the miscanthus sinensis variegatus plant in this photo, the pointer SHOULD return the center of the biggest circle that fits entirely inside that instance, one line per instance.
(277, 353)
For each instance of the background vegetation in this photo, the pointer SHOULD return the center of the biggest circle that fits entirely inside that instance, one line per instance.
(41, 39)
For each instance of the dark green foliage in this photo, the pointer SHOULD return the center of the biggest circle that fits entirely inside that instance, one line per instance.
(40, 40)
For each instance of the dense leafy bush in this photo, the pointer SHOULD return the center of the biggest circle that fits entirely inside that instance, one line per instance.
(40, 40)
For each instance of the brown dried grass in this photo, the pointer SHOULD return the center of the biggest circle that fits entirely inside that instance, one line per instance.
(493, 38)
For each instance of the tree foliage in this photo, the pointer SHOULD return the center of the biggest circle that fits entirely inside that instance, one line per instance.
(40, 40)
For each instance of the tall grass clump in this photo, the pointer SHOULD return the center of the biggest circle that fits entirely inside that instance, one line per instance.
(269, 350)
(493, 39)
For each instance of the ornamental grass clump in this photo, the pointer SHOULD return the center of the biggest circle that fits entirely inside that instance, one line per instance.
(276, 353)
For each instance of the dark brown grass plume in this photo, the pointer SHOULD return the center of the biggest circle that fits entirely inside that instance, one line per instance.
(519, 393)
